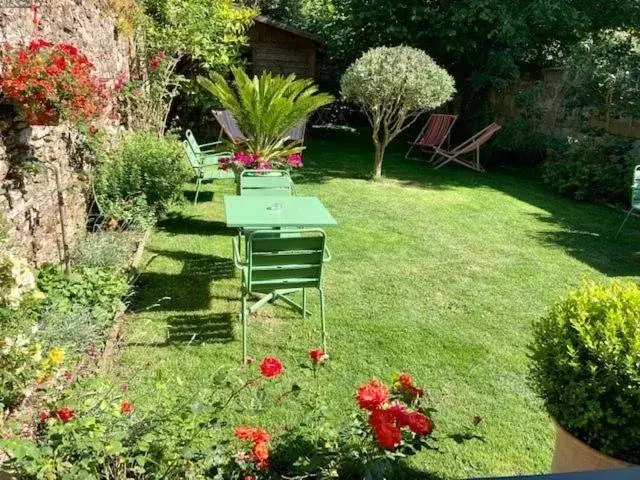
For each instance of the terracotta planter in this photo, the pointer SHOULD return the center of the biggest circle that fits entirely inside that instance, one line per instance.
(573, 455)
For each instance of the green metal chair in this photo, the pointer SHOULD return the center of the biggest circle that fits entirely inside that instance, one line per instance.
(202, 147)
(635, 197)
(266, 182)
(276, 265)
(206, 167)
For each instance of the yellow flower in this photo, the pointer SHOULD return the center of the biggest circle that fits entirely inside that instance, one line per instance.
(56, 356)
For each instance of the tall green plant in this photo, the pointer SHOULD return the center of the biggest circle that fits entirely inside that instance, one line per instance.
(267, 107)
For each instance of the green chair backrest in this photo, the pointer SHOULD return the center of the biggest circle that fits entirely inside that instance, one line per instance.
(191, 156)
(192, 141)
(265, 183)
(291, 258)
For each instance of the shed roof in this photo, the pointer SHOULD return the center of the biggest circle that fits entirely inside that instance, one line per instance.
(287, 28)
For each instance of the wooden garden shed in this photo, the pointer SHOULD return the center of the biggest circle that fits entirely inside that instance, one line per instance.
(281, 49)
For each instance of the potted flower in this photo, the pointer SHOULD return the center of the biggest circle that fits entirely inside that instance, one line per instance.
(50, 82)
(267, 108)
(586, 368)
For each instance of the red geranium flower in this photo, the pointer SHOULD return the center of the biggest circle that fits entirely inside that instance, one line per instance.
(255, 435)
(317, 356)
(419, 423)
(407, 388)
(399, 413)
(43, 415)
(371, 395)
(126, 407)
(380, 416)
(65, 414)
(271, 367)
(154, 63)
(260, 453)
(388, 435)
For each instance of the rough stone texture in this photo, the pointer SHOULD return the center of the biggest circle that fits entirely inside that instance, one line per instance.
(29, 202)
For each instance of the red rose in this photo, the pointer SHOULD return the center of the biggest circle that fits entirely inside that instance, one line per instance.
(317, 356)
(419, 423)
(371, 395)
(43, 415)
(255, 435)
(399, 413)
(65, 414)
(154, 63)
(260, 453)
(244, 433)
(380, 416)
(388, 435)
(126, 407)
(405, 380)
(271, 367)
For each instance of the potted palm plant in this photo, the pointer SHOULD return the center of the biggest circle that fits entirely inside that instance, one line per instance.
(586, 368)
(266, 108)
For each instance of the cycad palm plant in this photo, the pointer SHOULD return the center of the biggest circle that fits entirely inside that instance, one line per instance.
(267, 108)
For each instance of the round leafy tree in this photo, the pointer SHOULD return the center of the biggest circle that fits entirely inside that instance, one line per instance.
(586, 366)
(394, 86)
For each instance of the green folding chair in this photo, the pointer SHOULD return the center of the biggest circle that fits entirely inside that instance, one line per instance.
(200, 148)
(635, 197)
(276, 266)
(206, 167)
(266, 183)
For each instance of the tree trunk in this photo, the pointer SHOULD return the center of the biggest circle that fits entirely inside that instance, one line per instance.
(377, 164)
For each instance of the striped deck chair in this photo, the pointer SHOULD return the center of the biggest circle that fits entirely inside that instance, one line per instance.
(434, 134)
(298, 133)
(229, 126)
(470, 146)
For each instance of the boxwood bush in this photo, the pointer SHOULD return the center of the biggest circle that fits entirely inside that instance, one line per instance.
(586, 366)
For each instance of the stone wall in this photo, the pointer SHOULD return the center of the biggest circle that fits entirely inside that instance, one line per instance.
(29, 202)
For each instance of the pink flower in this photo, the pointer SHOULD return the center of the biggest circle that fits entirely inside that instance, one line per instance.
(295, 160)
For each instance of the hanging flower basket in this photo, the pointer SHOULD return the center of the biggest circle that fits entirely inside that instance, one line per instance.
(49, 83)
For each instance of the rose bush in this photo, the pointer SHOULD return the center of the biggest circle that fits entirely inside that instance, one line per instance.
(94, 429)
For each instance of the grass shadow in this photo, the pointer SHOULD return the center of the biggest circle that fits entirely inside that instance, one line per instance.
(197, 329)
(179, 224)
(203, 196)
(188, 291)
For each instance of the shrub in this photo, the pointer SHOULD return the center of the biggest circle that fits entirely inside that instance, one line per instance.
(145, 175)
(88, 287)
(106, 249)
(394, 86)
(592, 168)
(520, 144)
(585, 366)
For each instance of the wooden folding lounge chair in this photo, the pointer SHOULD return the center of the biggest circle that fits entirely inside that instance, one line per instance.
(278, 266)
(435, 132)
(229, 126)
(470, 146)
(298, 133)
(635, 198)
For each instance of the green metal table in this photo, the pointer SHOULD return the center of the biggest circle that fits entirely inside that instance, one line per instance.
(276, 212)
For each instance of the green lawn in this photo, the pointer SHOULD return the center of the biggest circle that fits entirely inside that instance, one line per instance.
(437, 273)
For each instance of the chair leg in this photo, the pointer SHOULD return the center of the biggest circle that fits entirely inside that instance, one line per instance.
(245, 337)
(624, 222)
(198, 183)
(304, 303)
(322, 320)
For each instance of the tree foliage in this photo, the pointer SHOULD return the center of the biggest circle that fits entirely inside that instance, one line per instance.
(394, 86)
(210, 32)
(267, 108)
